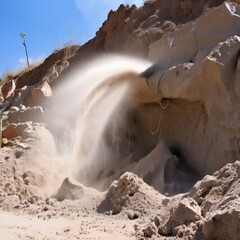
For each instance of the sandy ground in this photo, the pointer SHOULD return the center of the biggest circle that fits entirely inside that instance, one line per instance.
(87, 226)
(27, 213)
(129, 209)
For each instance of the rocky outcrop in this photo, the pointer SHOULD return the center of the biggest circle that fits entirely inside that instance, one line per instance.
(15, 130)
(214, 191)
(39, 94)
(203, 72)
(33, 86)
(138, 29)
(187, 97)
(189, 218)
(23, 114)
(8, 89)
(52, 64)
(224, 223)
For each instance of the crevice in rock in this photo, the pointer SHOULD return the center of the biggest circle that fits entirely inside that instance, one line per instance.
(169, 166)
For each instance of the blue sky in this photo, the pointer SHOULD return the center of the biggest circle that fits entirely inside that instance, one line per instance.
(48, 24)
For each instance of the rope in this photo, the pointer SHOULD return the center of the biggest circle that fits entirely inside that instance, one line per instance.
(153, 132)
(161, 120)
(160, 100)
(162, 117)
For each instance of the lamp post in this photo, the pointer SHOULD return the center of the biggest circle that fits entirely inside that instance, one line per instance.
(22, 35)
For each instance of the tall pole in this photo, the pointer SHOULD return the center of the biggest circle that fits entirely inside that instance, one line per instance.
(25, 46)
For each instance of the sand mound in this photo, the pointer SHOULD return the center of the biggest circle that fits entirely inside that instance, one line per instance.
(130, 192)
(199, 214)
(72, 190)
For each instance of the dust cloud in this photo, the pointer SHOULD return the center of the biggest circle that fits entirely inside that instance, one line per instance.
(82, 108)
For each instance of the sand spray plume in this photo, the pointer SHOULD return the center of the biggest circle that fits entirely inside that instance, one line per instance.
(83, 105)
(102, 116)
(82, 81)
(107, 104)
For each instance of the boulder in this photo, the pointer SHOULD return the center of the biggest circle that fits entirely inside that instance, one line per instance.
(15, 130)
(16, 115)
(73, 190)
(38, 94)
(13, 117)
(34, 114)
(213, 191)
(70, 189)
(1, 99)
(223, 224)
(8, 89)
(187, 211)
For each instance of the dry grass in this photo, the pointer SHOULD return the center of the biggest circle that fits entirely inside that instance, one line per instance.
(235, 1)
(8, 75)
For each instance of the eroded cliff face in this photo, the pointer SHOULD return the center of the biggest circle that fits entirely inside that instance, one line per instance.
(131, 30)
(128, 30)
(206, 74)
(181, 118)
